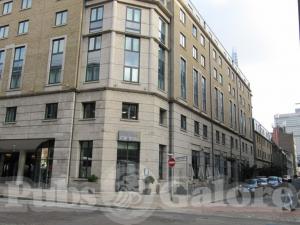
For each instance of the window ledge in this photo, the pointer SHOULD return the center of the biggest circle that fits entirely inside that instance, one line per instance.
(22, 34)
(197, 135)
(25, 9)
(164, 125)
(6, 14)
(91, 82)
(60, 25)
(14, 89)
(129, 82)
(53, 85)
(9, 123)
(185, 131)
(87, 119)
(3, 38)
(80, 179)
(129, 120)
(49, 120)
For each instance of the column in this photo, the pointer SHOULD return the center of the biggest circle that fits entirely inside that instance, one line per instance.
(21, 166)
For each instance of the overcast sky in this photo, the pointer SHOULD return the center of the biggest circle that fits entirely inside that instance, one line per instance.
(265, 35)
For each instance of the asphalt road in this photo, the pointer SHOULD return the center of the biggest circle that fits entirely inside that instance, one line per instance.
(45, 214)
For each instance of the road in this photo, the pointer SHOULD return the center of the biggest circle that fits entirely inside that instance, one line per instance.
(45, 214)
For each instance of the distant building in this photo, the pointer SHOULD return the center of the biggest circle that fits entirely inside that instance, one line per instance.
(279, 159)
(286, 142)
(291, 123)
(262, 140)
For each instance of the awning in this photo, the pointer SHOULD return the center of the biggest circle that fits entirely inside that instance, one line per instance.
(20, 145)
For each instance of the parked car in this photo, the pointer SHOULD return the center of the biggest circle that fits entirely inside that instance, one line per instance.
(262, 182)
(273, 181)
(287, 178)
(248, 187)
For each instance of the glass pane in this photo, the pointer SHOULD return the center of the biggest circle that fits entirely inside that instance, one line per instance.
(128, 43)
(129, 14)
(132, 59)
(135, 75)
(136, 45)
(137, 15)
(127, 72)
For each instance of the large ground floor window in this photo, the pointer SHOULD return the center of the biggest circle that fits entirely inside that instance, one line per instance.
(128, 163)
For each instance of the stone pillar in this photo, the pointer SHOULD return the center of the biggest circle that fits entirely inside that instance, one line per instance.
(21, 166)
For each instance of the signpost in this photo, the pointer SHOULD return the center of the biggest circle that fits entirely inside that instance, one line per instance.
(171, 162)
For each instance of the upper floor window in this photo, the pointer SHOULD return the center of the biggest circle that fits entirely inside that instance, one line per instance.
(61, 18)
(203, 86)
(7, 7)
(132, 59)
(205, 133)
(26, 4)
(51, 111)
(195, 53)
(182, 40)
(130, 111)
(202, 40)
(220, 61)
(162, 30)
(183, 78)
(23, 27)
(217, 136)
(89, 109)
(163, 117)
(4, 31)
(161, 68)
(11, 114)
(194, 31)
(182, 16)
(196, 128)
(183, 122)
(196, 88)
(220, 79)
(214, 54)
(2, 62)
(202, 61)
(215, 73)
(96, 19)
(56, 61)
(93, 60)
(85, 161)
(133, 19)
(17, 67)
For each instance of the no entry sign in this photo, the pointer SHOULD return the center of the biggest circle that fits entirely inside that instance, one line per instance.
(171, 162)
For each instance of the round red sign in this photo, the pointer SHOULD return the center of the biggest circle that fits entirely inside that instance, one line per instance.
(171, 162)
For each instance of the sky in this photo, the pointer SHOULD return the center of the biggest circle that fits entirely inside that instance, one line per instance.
(265, 35)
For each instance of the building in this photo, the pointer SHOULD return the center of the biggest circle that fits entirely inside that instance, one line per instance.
(291, 123)
(279, 161)
(262, 141)
(112, 89)
(286, 142)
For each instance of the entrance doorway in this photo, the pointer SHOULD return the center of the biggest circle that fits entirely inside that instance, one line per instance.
(128, 164)
(9, 165)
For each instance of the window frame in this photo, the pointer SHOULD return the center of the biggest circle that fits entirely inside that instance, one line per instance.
(97, 20)
(130, 106)
(63, 14)
(88, 160)
(88, 113)
(130, 67)
(8, 119)
(25, 27)
(97, 47)
(48, 108)
(183, 122)
(10, 7)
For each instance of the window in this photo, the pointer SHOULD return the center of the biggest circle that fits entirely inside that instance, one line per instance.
(205, 131)
(202, 40)
(7, 7)
(222, 105)
(61, 18)
(182, 40)
(93, 60)
(161, 68)
(233, 92)
(130, 111)
(183, 122)
(96, 19)
(217, 165)
(234, 116)
(196, 128)
(223, 139)
(220, 79)
(236, 144)
(231, 143)
(2, 62)
(11, 114)
(214, 53)
(229, 88)
(162, 117)
(195, 53)
(202, 61)
(203, 84)
(4, 31)
(56, 61)
(133, 19)
(231, 113)
(216, 103)
(17, 67)
(220, 61)
(183, 78)
(89, 109)
(26, 4)
(51, 111)
(196, 164)
(207, 164)
(162, 30)
(217, 136)
(196, 88)
(194, 31)
(228, 71)
(215, 73)
(162, 162)
(85, 162)
(182, 16)
(23, 27)
(132, 59)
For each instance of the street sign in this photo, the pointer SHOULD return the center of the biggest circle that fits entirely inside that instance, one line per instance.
(171, 162)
